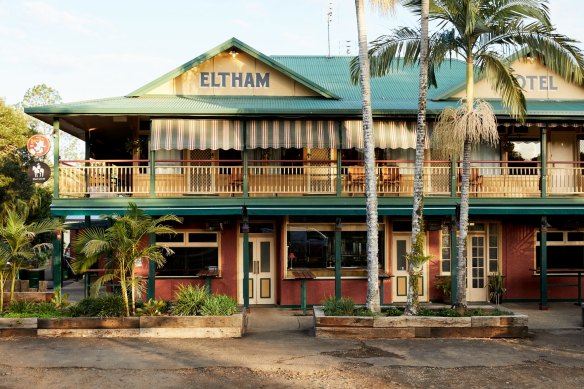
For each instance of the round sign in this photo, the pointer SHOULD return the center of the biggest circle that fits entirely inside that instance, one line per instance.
(38, 145)
(39, 172)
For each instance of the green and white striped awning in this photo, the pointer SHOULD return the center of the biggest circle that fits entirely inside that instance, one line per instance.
(191, 134)
(288, 134)
(387, 134)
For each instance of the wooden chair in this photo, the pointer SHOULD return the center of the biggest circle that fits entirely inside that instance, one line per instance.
(236, 180)
(476, 181)
(390, 179)
(357, 178)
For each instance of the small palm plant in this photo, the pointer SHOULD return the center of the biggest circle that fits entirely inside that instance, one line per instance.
(122, 245)
(17, 243)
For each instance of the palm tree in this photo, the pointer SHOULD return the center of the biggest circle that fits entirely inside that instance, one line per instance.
(124, 243)
(483, 33)
(372, 301)
(17, 242)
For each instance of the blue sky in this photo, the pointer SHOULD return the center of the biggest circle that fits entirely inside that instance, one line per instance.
(93, 49)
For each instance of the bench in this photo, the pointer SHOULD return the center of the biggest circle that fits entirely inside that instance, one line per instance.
(566, 272)
(390, 178)
(356, 178)
(303, 275)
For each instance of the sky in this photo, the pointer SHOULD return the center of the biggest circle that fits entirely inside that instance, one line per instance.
(94, 49)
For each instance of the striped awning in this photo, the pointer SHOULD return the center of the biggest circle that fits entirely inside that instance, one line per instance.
(292, 134)
(387, 134)
(191, 134)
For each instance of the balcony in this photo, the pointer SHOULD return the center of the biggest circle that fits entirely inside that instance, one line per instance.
(265, 178)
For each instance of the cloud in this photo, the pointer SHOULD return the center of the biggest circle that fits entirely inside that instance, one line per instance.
(47, 13)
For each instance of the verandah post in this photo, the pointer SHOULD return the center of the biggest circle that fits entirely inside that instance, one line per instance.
(543, 153)
(245, 290)
(150, 292)
(338, 230)
(543, 287)
(453, 258)
(56, 137)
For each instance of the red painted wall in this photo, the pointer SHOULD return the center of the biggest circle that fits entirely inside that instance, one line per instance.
(519, 257)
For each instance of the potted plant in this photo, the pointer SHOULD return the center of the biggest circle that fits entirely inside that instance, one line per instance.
(444, 285)
(496, 288)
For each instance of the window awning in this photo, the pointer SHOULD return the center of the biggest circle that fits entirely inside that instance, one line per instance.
(191, 134)
(387, 134)
(288, 134)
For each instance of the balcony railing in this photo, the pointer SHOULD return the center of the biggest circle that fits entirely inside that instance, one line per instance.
(174, 178)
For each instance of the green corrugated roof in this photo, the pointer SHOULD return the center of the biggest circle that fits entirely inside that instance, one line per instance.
(394, 94)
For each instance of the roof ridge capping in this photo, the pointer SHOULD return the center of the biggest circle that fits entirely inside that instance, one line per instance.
(227, 45)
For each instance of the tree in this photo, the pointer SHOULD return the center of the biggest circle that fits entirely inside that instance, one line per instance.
(17, 241)
(372, 301)
(42, 94)
(483, 33)
(124, 243)
(15, 185)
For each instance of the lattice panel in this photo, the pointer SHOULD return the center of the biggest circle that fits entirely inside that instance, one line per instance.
(200, 173)
(322, 175)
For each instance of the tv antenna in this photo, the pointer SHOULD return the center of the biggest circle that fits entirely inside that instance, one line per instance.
(328, 21)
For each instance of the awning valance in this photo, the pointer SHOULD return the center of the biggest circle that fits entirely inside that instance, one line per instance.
(387, 134)
(292, 134)
(191, 134)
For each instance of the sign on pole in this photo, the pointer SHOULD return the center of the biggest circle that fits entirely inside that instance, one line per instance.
(39, 172)
(38, 145)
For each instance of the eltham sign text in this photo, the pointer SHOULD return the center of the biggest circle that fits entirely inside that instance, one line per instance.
(234, 80)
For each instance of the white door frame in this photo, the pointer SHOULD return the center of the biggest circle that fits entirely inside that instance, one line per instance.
(399, 284)
(262, 284)
(479, 293)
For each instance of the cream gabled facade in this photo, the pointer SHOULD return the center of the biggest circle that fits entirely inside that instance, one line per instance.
(262, 156)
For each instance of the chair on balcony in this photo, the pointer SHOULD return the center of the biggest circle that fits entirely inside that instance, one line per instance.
(390, 179)
(236, 180)
(476, 181)
(356, 178)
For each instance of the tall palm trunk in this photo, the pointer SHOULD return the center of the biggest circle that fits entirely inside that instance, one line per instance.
(370, 170)
(13, 273)
(461, 273)
(413, 303)
(124, 287)
(3, 278)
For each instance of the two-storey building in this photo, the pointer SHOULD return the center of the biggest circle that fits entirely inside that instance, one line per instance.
(262, 157)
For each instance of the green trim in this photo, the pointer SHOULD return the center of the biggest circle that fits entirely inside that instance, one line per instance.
(227, 45)
(56, 141)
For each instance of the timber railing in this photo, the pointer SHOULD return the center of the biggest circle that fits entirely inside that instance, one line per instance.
(174, 178)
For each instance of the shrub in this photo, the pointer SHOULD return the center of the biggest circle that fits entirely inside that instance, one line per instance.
(393, 311)
(151, 308)
(342, 307)
(32, 309)
(109, 305)
(189, 300)
(219, 305)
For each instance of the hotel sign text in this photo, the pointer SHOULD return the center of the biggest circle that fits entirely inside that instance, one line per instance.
(537, 83)
(234, 80)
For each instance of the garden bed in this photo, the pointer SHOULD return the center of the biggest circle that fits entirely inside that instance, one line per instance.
(386, 327)
(233, 326)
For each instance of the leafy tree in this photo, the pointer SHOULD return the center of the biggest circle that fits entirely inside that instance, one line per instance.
(483, 33)
(124, 243)
(14, 182)
(17, 241)
(372, 301)
(42, 94)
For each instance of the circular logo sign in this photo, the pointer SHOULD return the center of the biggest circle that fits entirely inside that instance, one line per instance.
(39, 172)
(38, 145)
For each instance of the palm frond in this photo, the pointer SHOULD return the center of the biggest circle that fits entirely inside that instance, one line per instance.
(502, 80)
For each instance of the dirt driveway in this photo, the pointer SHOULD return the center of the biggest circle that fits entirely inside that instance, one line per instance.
(286, 356)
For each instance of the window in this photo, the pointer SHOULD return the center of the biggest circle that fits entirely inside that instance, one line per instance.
(312, 247)
(446, 259)
(166, 156)
(193, 251)
(525, 156)
(490, 245)
(565, 250)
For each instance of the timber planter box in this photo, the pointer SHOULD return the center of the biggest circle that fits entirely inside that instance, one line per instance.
(233, 326)
(387, 327)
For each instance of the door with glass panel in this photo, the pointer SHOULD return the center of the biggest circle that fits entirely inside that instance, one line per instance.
(399, 249)
(261, 270)
(477, 282)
